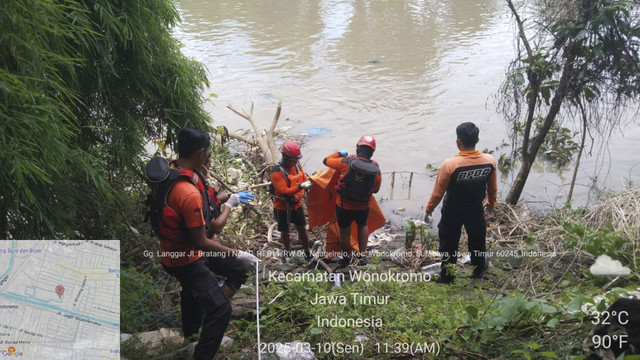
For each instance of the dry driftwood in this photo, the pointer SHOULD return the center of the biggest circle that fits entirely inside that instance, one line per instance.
(264, 141)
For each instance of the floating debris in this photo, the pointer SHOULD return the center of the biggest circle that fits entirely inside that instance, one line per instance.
(316, 130)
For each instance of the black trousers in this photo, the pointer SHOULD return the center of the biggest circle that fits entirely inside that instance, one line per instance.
(202, 302)
(450, 228)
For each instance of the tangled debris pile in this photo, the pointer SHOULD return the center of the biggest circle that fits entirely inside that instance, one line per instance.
(621, 210)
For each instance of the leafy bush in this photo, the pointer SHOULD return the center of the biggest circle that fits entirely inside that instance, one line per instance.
(596, 243)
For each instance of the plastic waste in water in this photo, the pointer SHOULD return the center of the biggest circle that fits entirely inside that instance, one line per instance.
(316, 130)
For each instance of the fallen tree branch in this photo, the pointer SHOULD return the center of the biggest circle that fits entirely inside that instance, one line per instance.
(263, 141)
(243, 139)
(272, 128)
(259, 185)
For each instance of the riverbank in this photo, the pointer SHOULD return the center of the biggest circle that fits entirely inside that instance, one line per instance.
(536, 298)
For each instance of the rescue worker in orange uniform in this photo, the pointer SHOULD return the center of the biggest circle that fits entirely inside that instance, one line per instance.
(180, 210)
(464, 180)
(359, 178)
(288, 185)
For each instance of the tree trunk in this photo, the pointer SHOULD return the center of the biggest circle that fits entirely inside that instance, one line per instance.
(556, 103)
(518, 185)
(584, 136)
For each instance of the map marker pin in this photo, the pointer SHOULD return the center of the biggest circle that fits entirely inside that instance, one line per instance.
(59, 291)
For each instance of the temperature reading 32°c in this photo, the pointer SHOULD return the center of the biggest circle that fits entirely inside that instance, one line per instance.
(605, 318)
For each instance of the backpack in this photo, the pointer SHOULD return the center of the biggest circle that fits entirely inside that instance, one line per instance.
(285, 175)
(216, 209)
(165, 221)
(357, 183)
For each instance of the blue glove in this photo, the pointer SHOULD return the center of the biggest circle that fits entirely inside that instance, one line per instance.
(245, 196)
(343, 153)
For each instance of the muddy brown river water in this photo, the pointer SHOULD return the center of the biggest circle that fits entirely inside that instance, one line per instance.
(405, 71)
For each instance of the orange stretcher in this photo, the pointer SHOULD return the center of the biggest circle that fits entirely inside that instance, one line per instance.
(321, 209)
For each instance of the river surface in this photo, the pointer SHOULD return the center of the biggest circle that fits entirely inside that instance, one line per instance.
(406, 71)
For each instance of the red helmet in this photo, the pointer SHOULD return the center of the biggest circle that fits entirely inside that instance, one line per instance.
(291, 149)
(367, 140)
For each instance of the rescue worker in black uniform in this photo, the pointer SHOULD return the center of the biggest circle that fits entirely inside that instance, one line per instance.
(466, 179)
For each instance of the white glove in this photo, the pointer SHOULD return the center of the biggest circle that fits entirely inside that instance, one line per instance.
(232, 201)
(305, 185)
(247, 258)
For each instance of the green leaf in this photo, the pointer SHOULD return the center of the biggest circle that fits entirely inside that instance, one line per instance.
(545, 91)
(552, 323)
(548, 309)
(472, 311)
(511, 307)
(581, 35)
(550, 355)
(315, 331)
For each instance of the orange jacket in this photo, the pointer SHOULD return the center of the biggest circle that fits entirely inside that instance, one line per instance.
(465, 178)
(186, 200)
(287, 189)
(337, 162)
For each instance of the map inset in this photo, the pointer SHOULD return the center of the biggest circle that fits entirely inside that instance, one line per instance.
(60, 299)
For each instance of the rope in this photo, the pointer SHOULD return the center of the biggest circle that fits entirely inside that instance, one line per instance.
(147, 295)
(134, 323)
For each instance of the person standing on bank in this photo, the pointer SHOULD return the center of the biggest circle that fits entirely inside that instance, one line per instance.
(359, 177)
(180, 214)
(466, 179)
(288, 185)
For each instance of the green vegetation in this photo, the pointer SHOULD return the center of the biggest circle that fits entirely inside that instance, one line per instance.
(596, 243)
(84, 86)
(575, 57)
(417, 230)
(477, 321)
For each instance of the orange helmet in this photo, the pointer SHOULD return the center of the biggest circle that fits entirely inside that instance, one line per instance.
(367, 140)
(291, 149)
